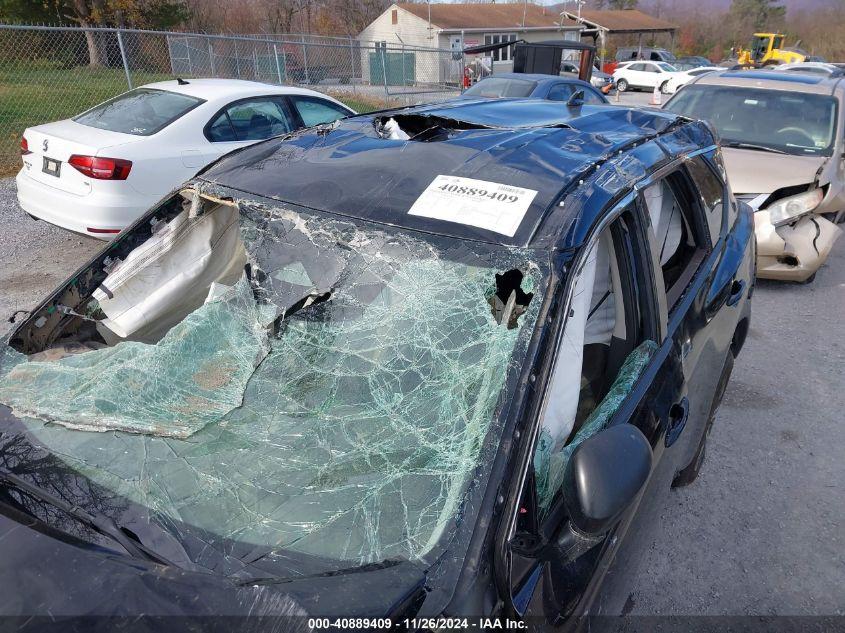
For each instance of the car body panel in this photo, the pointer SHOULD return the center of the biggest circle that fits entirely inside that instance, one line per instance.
(583, 163)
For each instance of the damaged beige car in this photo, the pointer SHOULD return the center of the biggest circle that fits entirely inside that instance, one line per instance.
(783, 144)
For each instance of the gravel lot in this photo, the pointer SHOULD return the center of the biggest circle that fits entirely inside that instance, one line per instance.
(34, 256)
(761, 531)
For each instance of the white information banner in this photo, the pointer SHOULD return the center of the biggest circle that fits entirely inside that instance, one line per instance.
(487, 205)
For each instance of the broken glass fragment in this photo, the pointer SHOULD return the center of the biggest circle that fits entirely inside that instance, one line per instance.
(195, 375)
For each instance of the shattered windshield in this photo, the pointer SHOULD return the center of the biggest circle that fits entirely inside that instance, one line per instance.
(285, 380)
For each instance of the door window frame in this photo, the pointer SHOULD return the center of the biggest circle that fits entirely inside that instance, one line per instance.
(291, 102)
(654, 326)
(280, 99)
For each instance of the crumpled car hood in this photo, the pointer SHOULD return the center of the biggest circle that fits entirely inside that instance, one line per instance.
(751, 171)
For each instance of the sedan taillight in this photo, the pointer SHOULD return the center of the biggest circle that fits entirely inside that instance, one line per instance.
(101, 168)
(24, 147)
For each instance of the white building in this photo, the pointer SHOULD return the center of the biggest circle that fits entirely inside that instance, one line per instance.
(455, 27)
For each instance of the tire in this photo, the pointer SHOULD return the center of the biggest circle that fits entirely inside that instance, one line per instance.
(809, 280)
(664, 88)
(621, 85)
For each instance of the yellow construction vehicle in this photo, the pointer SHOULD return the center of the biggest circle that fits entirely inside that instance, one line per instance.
(767, 49)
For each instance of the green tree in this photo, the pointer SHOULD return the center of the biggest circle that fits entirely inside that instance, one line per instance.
(155, 14)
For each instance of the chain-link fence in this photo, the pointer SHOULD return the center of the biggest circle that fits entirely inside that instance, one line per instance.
(52, 73)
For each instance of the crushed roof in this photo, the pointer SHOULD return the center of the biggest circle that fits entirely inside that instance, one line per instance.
(351, 170)
(484, 16)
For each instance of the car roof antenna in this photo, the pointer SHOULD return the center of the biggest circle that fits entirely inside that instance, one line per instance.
(181, 81)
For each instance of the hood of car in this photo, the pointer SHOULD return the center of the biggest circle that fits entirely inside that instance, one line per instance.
(751, 171)
(55, 576)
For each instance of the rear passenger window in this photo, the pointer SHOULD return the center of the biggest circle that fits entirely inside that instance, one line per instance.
(680, 240)
(562, 92)
(712, 192)
(316, 111)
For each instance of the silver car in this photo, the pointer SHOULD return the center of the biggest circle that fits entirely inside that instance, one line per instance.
(783, 142)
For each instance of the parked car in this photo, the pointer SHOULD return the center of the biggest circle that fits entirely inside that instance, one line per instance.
(443, 360)
(690, 62)
(683, 78)
(644, 76)
(782, 138)
(97, 172)
(628, 53)
(818, 68)
(534, 86)
(601, 80)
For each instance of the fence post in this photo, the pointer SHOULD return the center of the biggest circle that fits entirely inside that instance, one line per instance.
(305, 60)
(463, 64)
(384, 69)
(123, 57)
(276, 57)
(254, 62)
(402, 52)
(210, 56)
(352, 60)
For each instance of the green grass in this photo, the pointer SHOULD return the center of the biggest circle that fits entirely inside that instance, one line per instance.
(33, 94)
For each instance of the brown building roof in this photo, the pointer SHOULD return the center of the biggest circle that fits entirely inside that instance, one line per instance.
(487, 16)
(624, 20)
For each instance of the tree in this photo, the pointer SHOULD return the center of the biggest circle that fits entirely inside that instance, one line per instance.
(757, 15)
(616, 4)
(89, 14)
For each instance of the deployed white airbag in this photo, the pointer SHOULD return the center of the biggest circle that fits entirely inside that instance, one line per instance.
(168, 276)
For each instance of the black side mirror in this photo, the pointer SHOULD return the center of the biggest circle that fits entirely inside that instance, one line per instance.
(604, 476)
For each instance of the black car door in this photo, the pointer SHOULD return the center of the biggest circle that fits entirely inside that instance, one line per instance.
(548, 585)
(696, 269)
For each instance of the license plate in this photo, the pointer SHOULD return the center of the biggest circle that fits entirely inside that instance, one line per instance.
(52, 167)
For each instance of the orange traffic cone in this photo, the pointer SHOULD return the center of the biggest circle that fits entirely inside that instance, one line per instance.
(656, 97)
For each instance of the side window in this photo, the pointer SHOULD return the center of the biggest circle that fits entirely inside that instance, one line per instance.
(604, 348)
(679, 237)
(637, 67)
(220, 130)
(314, 111)
(250, 120)
(652, 68)
(712, 192)
(562, 92)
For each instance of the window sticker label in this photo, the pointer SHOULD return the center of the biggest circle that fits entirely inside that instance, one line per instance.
(487, 205)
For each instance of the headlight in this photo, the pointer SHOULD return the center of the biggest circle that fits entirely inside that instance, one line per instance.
(788, 209)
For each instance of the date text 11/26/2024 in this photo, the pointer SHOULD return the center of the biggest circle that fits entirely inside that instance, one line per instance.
(413, 624)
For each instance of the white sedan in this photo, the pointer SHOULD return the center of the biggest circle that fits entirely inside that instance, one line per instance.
(644, 75)
(96, 173)
(682, 78)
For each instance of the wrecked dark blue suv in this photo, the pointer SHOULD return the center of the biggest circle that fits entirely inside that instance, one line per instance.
(435, 361)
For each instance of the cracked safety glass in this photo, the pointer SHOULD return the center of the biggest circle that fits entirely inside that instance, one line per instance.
(285, 379)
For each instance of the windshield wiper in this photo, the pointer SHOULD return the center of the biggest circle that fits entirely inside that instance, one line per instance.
(759, 148)
(274, 580)
(98, 522)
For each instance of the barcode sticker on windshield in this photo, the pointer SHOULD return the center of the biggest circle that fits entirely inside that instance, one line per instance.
(487, 205)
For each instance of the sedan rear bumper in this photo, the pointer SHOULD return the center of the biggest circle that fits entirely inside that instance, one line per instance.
(96, 214)
(793, 252)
